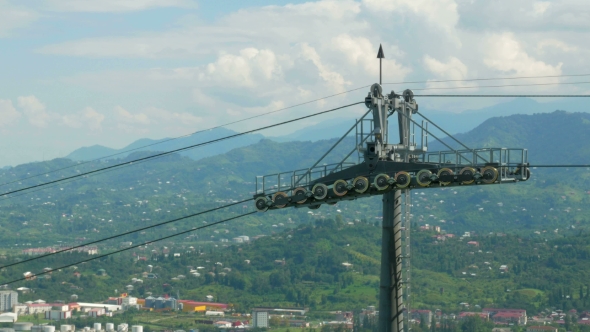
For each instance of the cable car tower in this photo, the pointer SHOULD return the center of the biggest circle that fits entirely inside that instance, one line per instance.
(388, 169)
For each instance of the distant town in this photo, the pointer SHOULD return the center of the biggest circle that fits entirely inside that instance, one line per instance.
(222, 315)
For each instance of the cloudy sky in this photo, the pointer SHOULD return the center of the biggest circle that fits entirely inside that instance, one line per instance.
(77, 73)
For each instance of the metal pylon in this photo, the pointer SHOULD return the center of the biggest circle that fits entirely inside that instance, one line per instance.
(406, 258)
(388, 169)
(391, 292)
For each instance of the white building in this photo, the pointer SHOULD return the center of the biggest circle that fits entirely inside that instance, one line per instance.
(7, 300)
(20, 309)
(58, 312)
(96, 312)
(41, 308)
(8, 317)
(260, 319)
(129, 300)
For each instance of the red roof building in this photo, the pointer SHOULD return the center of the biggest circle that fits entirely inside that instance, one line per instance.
(507, 316)
(482, 315)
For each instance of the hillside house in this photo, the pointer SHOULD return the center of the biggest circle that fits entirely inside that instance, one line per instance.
(465, 314)
(541, 329)
(507, 316)
(95, 312)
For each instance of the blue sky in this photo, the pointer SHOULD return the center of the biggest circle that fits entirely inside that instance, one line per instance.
(78, 73)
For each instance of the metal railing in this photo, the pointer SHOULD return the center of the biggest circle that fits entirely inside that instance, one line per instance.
(272, 183)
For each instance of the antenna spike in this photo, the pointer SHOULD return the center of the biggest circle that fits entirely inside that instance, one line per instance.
(380, 54)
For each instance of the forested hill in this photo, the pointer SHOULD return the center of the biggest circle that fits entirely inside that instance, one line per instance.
(551, 138)
(304, 267)
(172, 186)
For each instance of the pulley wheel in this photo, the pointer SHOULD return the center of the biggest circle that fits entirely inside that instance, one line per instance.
(339, 188)
(280, 199)
(445, 172)
(360, 184)
(319, 191)
(402, 179)
(423, 178)
(468, 172)
(408, 95)
(300, 191)
(260, 204)
(489, 175)
(381, 181)
(526, 175)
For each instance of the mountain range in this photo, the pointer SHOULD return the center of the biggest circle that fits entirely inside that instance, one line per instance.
(167, 144)
(453, 123)
(90, 202)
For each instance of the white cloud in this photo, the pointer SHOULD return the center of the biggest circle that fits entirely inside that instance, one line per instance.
(245, 70)
(440, 14)
(269, 27)
(506, 54)
(114, 5)
(539, 8)
(453, 69)
(333, 78)
(12, 18)
(327, 9)
(359, 51)
(526, 15)
(176, 118)
(125, 116)
(8, 114)
(34, 110)
(88, 117)
(548, 44)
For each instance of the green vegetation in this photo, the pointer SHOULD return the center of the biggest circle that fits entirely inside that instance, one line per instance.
(539, 229)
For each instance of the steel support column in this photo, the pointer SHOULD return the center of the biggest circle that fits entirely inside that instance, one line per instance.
(390, 292)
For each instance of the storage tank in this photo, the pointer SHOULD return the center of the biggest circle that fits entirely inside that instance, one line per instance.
(48, 328)
(6, 329)
(110, 327)
(22, 326)
(159, 304)
(66, 328)
(36, 328)
(136, 328)
(149, 302)
(97, 327)
(170, 303)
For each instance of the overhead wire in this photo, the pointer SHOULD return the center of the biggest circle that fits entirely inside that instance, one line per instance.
(507, 96)
(218, 208)
(132, 247)
(183, 232)
(176, 150)
(126, 233)
(187, 135)
(297, 105)
(487, 79)
(498, 86)
(67, 181)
